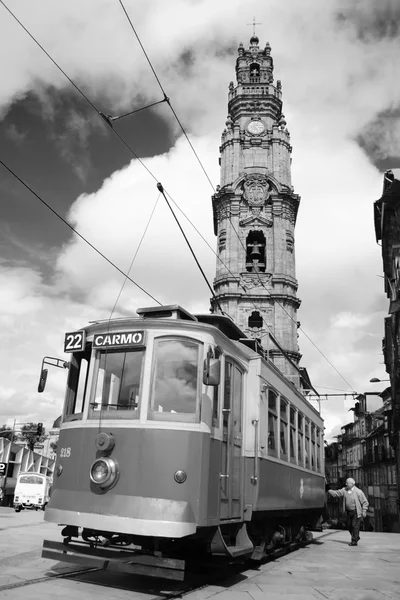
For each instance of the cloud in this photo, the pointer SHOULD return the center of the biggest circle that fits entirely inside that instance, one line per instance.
(15, 135)
(350, 320)
(341, 93)
(380, 139)
(372, 21)
(33, 321)
(114, 220)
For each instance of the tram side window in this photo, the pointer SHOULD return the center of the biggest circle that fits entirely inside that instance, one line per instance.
(175, 381)
(227, 393)
(307, 444)
(76, 385)
(292, 433)
(284, 429)
(300, 439)
(216, 391)
(272, 423)
(318, 450)
(313, 448)
(118, 384)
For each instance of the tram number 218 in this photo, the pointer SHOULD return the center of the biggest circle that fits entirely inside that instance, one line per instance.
(65, 452)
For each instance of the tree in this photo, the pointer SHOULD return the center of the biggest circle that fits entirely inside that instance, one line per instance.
(5, 432)
(29, 433)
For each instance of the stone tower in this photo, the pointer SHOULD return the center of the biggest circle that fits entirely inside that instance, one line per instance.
(255, 211)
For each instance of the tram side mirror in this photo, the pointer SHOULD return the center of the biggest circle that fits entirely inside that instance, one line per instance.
(211, 371)
(42, 381)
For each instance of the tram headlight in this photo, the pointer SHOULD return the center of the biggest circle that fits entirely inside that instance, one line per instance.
(104, 472)
(180, 476)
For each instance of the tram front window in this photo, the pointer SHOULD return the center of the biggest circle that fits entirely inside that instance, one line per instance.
(175, 381)
(118, 384)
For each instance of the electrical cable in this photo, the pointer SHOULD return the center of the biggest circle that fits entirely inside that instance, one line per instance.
(118, 297)
(134, 257)
(195, 153)
(145, 166)
(202, 166)
(75, 231)
(160, 187)
(166, 97)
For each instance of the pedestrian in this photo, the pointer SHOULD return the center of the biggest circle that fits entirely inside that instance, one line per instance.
(355, 506)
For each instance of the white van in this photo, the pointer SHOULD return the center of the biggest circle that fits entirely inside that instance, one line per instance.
(32, 490)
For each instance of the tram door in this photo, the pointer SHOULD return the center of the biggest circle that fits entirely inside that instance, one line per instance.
(231, 463)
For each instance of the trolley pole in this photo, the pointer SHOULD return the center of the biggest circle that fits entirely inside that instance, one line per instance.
(8, 458)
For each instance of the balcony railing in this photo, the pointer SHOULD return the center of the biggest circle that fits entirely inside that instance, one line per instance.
(348, 438)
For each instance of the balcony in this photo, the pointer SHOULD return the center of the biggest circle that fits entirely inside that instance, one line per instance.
(349, 438)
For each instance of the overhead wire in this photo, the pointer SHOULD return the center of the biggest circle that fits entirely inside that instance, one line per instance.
(141, 161)
(101, 115)
(134, 256)
(76, 232)
(206, 174)
(119, 295)
(160, 187)
(165, 95)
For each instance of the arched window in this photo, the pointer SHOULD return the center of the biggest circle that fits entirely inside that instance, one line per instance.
(254, 73)
(255, 252)
(255, 319)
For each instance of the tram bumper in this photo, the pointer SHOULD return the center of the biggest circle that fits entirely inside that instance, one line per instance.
(133, 515)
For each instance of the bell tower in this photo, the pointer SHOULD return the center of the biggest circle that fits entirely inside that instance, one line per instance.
(255, 211)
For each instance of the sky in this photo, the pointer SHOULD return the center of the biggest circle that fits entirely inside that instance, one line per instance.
(338, 63)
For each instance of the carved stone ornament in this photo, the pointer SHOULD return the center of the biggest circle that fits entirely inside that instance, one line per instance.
(253, 280)
(289, 241)
(256, 189)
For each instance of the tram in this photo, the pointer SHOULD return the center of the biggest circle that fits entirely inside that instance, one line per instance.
(179, 438)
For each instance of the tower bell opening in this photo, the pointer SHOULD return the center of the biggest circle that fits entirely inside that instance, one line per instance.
(255, 320)
(255, 252)
(254, 73)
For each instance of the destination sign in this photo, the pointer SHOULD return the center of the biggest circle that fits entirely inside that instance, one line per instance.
(2, 468)
(75, 341)
(128, 338)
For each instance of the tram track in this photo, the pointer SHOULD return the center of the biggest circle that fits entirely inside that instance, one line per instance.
(196, 579)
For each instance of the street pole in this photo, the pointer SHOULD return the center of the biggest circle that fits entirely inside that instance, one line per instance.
(8, 459)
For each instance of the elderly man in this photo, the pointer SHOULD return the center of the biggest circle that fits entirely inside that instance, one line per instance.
(355, 506)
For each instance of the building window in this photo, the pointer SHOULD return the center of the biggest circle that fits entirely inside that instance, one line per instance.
(272, 423)
(283, 428)
(222, 240)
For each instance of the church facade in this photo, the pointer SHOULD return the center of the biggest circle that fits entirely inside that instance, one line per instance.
(255, 210)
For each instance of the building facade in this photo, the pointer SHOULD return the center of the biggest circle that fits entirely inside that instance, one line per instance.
(387, 230)
(255, 210)
(16, 459)
(363, 452)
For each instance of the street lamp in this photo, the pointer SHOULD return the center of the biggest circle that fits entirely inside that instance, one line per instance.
(376, 380)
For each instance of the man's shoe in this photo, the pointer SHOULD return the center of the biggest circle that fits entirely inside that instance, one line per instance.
(353, 544)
